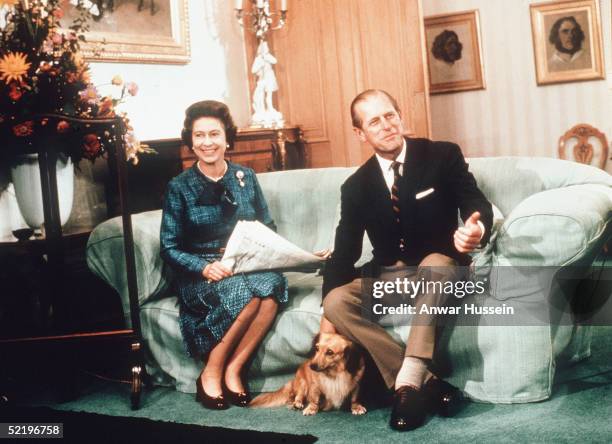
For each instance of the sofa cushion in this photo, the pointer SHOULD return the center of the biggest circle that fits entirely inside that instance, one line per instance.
(508, 181)
(303, 203)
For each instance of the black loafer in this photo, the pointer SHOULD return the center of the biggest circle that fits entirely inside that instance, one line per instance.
(444, 399)
(241, 399)
(409, 409)
(210, 402)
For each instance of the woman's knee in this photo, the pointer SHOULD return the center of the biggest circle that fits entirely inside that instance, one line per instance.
(252, 307)
(269, 305)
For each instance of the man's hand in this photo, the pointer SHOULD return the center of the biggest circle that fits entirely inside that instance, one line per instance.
(323, 254)
(467, 238)
(216, 271)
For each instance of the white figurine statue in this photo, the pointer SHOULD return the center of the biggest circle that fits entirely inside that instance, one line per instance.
(264, 113)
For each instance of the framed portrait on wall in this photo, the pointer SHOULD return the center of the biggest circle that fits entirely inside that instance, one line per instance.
(567, 41)
(141, 31)
(454, 53)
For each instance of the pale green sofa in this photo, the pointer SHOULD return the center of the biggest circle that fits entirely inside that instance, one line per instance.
(557, 213)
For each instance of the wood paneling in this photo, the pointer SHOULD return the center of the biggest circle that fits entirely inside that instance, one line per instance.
(333, 49)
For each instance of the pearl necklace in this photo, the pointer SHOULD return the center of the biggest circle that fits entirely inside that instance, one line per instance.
(214, 179)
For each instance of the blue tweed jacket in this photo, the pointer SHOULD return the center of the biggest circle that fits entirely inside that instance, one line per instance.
(196, 218)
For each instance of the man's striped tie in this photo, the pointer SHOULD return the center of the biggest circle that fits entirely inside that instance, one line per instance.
(395, 202)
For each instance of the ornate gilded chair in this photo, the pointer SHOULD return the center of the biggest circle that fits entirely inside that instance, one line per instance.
(587, 144)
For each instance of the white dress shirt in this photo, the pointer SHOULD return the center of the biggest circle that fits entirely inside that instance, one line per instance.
(387, 169)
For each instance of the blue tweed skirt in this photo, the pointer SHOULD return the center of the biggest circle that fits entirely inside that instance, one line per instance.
(207, 310)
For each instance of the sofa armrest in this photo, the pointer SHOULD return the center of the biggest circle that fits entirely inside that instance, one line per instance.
(551, 232)
(106, 257)
(556, 227)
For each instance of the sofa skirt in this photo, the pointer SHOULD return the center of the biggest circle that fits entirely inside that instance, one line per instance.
(498, 364)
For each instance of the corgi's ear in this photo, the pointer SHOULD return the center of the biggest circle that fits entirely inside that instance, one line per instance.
(352, 358)
(315, 340)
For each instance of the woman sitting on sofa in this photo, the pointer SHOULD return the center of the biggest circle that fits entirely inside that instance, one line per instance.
(222, 317)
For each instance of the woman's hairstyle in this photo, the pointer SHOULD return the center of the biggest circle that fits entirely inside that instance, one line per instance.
(209, 108)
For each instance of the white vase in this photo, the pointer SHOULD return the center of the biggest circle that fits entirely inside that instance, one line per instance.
(26, 180)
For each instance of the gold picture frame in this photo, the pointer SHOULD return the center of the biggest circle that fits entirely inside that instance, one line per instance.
(567, 42)
(140, 31)
(454, 52)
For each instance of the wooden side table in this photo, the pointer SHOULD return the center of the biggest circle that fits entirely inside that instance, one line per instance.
(56, 245)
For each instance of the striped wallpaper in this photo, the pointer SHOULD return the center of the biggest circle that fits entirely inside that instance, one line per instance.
(513, 116)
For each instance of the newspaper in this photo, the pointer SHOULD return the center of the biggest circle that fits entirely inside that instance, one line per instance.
(254, 247)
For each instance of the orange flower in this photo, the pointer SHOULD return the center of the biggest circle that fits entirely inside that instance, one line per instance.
(106, 107)
(91, 146)
(24, 129)
(62, 126)
(13, 66)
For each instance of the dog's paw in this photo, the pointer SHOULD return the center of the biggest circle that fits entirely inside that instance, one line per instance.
(358, 409)
(297, 405)
(310, 410)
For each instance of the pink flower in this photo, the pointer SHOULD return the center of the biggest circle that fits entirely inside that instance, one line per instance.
(91, 146)
(57, 38)
(89, 94)
(47, 46)
(132, 88)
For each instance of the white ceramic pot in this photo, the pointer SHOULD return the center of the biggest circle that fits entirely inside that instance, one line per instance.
(26, 180)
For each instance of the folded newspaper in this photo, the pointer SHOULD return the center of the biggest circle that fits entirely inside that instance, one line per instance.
(254, 247)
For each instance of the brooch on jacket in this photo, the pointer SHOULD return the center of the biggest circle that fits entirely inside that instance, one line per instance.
(240, 176)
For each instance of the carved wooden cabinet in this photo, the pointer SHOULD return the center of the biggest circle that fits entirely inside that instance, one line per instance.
(262, 149)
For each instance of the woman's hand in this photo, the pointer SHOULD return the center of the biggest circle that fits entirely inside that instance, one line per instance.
(216, 271)
(323, 254)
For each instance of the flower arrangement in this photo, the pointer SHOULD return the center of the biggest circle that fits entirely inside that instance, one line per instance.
(42, 71)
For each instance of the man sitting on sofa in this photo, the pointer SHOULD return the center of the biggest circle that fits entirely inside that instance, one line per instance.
(406, 197)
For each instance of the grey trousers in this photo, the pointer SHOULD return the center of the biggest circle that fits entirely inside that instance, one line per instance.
(344, 306)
